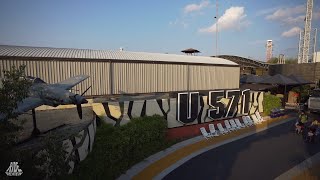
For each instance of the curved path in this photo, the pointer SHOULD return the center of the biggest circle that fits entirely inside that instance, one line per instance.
(264, 155)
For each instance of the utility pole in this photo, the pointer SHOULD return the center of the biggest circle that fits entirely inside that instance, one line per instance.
(300, 48)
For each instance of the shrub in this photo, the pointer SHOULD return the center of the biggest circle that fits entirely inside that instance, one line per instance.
(43, 161)
(14, 87)
(116, 149)
(269, 102)
(50, 162)
(303, 92)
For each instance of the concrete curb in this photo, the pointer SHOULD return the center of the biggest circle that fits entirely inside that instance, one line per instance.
(300, 168)
(136, 169)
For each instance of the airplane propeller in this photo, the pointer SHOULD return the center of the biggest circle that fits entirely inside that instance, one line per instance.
(78, 100)
(79, 109)
(85, 90)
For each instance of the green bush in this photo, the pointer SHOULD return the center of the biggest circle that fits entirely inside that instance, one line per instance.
(303, 91)
(116, 149)
(47, 165)
(269, 102)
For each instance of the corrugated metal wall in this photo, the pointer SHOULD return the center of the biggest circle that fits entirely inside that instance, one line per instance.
(214, 77)
(138, 77)
(55, 71)
(131, 77)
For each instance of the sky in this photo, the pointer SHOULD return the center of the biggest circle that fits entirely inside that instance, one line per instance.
(164, 26)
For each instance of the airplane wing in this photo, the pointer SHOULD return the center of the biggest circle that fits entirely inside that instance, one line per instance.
(69, 83)
(26, 105)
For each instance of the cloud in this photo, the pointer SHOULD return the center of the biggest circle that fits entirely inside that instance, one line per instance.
(288, 16)
(294, 20)
(266, 11)
(284, 13)
(233, 18)
(292, 32)
(196, 7)
(190, 12)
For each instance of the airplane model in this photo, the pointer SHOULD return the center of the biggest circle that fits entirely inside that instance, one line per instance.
(41, 93)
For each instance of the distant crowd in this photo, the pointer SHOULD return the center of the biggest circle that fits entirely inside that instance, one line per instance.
(310, 130)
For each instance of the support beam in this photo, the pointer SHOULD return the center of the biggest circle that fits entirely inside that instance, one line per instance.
(35, 131)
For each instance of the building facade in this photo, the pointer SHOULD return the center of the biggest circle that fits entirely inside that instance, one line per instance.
(115, 72)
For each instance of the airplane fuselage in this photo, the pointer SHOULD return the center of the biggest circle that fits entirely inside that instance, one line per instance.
(51, 95)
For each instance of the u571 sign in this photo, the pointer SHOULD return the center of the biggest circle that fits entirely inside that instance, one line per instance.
(216, 105)
(187, 107)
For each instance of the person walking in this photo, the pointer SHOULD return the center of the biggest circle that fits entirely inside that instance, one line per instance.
(303, 117)
(311, 134)
(313, 131)
(299, 127)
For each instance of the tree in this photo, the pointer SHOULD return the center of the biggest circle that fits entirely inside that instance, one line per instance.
(291, 61)
(14, 88)
(50, 162)
(273, 60)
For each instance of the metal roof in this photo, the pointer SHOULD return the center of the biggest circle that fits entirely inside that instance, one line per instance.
(68, 53)
(245, 61)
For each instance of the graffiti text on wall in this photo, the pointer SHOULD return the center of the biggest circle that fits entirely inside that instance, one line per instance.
(222, 104)
(190, 107)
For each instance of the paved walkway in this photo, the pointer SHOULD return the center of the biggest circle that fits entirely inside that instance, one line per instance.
(264, 155)
(308, 169)
(162, 163)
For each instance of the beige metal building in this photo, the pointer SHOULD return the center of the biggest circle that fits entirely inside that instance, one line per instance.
(114, 72)
(316, 56)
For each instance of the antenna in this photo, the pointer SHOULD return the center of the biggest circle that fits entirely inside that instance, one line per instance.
(307, 32)
(315, 45)
(217, 18)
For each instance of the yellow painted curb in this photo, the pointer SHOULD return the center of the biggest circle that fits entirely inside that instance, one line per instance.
(157, 167)
(312, 173)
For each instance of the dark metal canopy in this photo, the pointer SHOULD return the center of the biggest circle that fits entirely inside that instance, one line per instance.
(299, 79)
(265, 76)
(190, 50)
(279, 79)
(250, 79)
(257, 87)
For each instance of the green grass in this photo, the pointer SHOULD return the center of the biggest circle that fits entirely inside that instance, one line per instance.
(116, 149)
